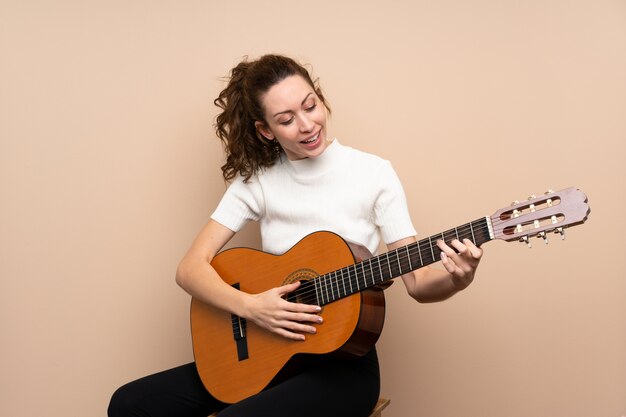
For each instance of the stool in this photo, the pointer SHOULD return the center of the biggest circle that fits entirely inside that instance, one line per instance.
(376, 412)
(380, 406)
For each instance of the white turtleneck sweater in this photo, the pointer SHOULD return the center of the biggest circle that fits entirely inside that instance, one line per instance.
(352, 193)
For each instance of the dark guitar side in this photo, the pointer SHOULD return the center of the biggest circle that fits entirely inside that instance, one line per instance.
(351, 325)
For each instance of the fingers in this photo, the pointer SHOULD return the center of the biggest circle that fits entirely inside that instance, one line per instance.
(293, 330)
(295, 325)
(460, 262)
(288, 319)
(296, 307)
(466, 249)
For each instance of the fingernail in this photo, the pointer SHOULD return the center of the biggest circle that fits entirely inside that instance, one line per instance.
(318, 308)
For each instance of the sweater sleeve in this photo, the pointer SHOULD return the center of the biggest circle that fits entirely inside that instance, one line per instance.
(391, 213)
(241, 203)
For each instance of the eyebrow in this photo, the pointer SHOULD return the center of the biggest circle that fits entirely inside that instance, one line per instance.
(288, 111)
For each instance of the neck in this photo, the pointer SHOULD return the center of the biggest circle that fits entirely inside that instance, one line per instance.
(379, 269)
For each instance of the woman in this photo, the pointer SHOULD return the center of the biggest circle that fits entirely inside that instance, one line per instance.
(288, 173)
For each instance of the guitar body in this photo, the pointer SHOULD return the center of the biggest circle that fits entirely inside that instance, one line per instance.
(351, 325)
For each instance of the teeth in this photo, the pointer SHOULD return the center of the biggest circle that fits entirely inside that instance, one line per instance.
(313, 139)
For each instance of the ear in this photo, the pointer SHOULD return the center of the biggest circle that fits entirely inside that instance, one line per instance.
(263, 130)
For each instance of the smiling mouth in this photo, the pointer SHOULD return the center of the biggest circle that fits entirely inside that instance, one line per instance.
(311, 140)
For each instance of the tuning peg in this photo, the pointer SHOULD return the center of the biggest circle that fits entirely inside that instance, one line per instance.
(516, 212)
(549, 200)
(525, 240)
(561, 231)
(532, 205)
(543, 236)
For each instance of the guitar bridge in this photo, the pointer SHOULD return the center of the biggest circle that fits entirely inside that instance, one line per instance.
(239, 334)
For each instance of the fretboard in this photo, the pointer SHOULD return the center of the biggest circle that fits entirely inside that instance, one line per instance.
(378, 269)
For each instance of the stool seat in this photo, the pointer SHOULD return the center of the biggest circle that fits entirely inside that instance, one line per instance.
(376, 412)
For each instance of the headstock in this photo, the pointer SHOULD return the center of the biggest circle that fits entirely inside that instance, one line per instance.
(537, 216)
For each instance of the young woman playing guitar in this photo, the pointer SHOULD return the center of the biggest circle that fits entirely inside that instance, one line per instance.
(289, 174)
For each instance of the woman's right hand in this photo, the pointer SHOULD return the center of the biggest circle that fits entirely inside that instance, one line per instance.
(291, 320)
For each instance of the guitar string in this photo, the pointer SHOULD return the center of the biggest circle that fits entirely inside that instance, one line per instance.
(403, 260)
(355, 275)
(403, 256)
(352, 275)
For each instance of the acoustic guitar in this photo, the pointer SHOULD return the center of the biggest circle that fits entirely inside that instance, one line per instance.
(236, 359)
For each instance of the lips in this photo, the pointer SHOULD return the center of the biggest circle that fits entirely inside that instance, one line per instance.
(311, 140)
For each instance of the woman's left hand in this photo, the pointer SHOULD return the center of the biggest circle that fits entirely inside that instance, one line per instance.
(461, 263)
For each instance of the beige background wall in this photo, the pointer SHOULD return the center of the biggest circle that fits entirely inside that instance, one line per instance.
(109, 166)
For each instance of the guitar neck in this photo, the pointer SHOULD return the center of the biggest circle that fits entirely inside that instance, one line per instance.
(379, 269)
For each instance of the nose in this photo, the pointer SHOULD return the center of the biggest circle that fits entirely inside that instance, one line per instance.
(306, 124)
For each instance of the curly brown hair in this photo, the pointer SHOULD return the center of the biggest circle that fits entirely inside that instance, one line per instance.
(247, 151)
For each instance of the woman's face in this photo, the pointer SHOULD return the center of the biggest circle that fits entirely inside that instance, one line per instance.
(295, 117)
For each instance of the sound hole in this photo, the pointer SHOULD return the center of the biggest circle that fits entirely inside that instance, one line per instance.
(306, 293)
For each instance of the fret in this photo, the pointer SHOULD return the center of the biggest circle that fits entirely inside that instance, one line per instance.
(349, 282)
(320, 281)
(463, 234)
(450, 236)
(317, 292)
(359, 285)
(408, 255)
(364, 273)
(338, 287)
(419, 251)
(489, 227)
(344, 285)
(333, 285)
(380, 269)
(445, 239)
(398, 259)
(326, 289)
(472, 229)
(456, 231)
(372, 271)
(393, 265)
(380, 277)
(389, 265)
(432, 252)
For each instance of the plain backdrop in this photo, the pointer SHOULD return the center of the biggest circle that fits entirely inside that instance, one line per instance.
(109, 166)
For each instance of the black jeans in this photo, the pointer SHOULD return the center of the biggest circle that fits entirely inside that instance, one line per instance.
(324, 386)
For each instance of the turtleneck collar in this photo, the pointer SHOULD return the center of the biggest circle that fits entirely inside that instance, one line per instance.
(309, 167)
